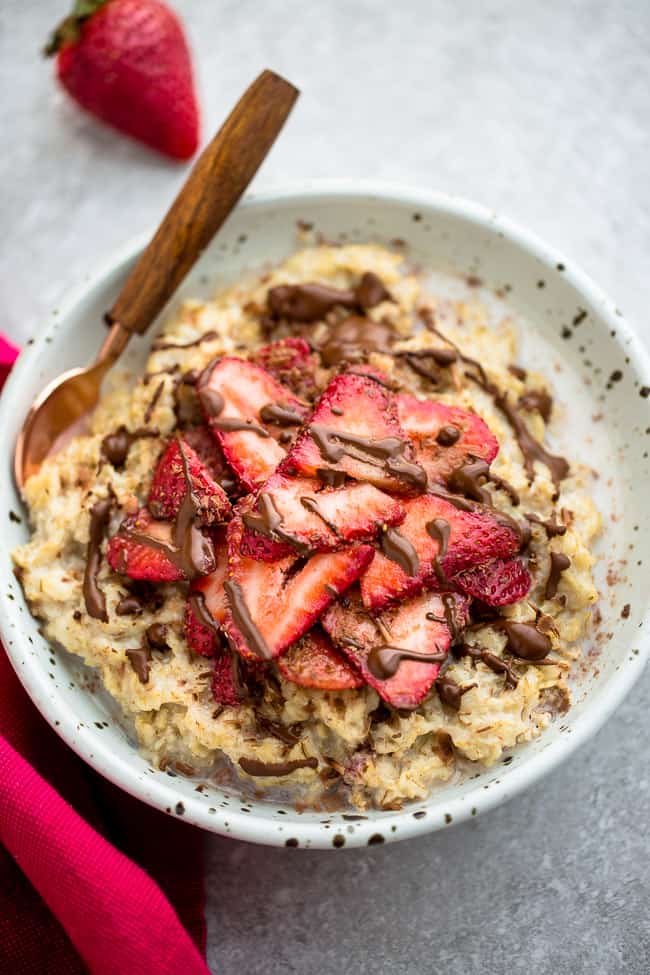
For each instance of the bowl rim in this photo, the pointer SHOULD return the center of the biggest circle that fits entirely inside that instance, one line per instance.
(160, 793)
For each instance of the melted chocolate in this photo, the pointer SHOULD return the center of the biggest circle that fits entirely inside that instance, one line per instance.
(538, 401)
(524, 640)
(517, 372)
(153, 402)
(383, 661)
(399, 549)
(451, 693)
(355, 338)
(267, 521)
(281, 416)
(156, 636)
(371, 290)
(496, 664)
(94, 598)
(387, 453)
(198, 607)
(160, 344)
(531, 449)
(311, 302)
(552, 528)
(233, 424)
(330, 477)
(252, 766)
(559, 563)
(139, 660)
(128, 606)
(243, 619)
(469, 478)
(448, 435)
(439, 529)
(115, 446)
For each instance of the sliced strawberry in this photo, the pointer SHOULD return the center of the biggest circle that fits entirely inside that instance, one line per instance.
(417, 626)
(178, 463)
(206, 604)
(445, 437)
(224, 682)
(497, 583)
(143, 548)
(315, 662)
(271, 605)
(209, 452)
(292, 363)
(236, 396)
(354, 429)
(473, 537)
(299, 515)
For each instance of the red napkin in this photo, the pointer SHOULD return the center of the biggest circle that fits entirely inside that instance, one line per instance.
(90, 878)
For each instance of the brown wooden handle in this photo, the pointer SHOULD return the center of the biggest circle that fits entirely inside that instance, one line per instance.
(219, 177)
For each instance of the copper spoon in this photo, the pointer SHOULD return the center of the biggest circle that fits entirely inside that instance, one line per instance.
(221, 174)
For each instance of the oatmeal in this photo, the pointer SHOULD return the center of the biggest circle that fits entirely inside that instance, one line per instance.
(321, 544)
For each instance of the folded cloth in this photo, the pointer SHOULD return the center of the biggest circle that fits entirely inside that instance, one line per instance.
(90, 878)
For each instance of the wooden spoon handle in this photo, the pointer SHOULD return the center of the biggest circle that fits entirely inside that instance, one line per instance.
(221, 174)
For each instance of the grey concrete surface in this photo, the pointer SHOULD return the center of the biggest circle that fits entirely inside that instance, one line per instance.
(541, 111)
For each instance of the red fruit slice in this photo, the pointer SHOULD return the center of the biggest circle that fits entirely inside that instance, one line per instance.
(354, 428)
(240, 401)
(315, 662)
(417, 627)
(224, 683)
(211, 456)
(271, 605)
(292, 363)
(178, 464)
(472, 537)
(445, 437)
(498, 583)
(143, 548)
(299, 515)
(206, 604)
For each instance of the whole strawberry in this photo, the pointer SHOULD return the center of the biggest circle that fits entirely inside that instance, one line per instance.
(127, 62)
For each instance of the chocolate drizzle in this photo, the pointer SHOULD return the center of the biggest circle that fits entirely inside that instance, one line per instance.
(451, 693)
(281, 416)
(531, 449)
(496, 664)
(115, 446)
(234, 424)
(267, 521)
(559, 563)
(243, 619)
(469, 478)
(439, 529)
(399, 549)
(278, 731)
(211, 399)
(383, 661)
(139, 660)
(417, 360)
(387, 453)
(159, 344)
(354, 338)
(198, 606)
(153, 402)
(552, 528)
(254, 767)
(311, 302)
(94, 598)
(311, 504)
(538, 401)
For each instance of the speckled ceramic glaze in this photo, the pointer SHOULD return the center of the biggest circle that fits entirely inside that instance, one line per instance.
(570, 331)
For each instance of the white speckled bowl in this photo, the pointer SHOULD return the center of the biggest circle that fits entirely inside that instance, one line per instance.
(579, 353)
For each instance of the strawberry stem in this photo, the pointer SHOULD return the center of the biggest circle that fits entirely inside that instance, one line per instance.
(69, 30)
